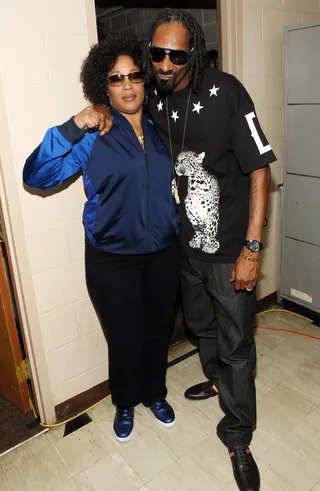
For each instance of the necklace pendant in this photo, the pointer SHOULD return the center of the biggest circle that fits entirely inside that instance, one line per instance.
(176, 195)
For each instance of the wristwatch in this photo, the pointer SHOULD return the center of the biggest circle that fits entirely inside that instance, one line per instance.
(253, 245)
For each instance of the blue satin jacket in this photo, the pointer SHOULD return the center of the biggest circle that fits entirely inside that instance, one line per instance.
(130, 209)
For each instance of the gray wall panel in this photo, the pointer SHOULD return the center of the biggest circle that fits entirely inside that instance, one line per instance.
(302, 208)
(300, 234)
(303, 72)
(301, 269)
(303, 139)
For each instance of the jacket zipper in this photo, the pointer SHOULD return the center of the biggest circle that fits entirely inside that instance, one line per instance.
(147, 194)
(148, 199)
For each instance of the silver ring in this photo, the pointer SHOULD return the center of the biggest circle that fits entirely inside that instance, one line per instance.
(249, 289)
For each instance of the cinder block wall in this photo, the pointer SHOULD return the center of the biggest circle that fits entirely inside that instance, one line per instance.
(263, 75)
(40, 56)
(138, 20)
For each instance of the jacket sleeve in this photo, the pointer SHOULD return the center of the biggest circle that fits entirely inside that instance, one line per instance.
(63, 152)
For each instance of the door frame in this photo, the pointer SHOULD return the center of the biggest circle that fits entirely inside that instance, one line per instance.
(231, 36)
(14, 386)
(21, 273)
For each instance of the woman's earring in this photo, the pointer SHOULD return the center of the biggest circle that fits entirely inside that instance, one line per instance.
(146, 97)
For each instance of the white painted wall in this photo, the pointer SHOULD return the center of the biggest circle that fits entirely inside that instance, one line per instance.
(253, 47)
(42, 46)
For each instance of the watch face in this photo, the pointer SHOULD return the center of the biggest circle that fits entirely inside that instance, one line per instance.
(253, 245)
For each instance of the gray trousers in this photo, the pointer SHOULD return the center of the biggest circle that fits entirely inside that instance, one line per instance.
(223, 321)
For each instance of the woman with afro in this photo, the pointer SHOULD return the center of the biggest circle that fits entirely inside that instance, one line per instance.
(131, 252)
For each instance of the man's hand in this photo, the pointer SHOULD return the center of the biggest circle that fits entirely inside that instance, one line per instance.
(106, 119)
(244, 275)
(245, 272)
(98, 117)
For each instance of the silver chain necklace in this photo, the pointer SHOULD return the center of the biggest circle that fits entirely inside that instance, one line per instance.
(175, 190)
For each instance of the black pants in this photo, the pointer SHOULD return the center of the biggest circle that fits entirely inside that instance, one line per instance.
(223, 320)
(135, 298)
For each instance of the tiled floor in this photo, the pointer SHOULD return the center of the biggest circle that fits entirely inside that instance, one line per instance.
(189, 456)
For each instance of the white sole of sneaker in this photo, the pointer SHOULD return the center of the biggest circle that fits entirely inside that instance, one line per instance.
(166, 425)
(123, 440)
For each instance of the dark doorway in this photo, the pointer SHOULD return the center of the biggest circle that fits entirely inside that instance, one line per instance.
(135, 18)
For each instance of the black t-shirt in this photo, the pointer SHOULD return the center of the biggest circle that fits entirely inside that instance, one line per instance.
(224, 143)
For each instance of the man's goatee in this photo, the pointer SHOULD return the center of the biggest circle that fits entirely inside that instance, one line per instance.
(164, 88)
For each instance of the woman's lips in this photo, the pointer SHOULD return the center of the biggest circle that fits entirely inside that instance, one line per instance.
(129, 98)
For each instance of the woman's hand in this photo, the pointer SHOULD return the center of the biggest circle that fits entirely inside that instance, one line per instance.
(90, 118)
(106, 119)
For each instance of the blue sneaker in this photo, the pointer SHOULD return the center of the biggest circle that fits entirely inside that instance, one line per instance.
(123, 423)
(164, 413)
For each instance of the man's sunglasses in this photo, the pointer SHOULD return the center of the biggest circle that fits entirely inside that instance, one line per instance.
(176, 56)
(118, 79)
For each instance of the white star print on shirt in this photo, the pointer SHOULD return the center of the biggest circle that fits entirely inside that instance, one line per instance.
(175, 116)
(214, 91)
(160, 106)
(197, 107)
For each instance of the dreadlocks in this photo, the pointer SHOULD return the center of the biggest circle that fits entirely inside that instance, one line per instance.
(196, 39)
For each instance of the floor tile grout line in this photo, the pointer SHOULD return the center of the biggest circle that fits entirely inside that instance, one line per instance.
(54, 448)
(6, 480)
(167, 448)
(49, 446)
(318, 482)
(304, 396)
(100, 460)
(163, 470)
(177, 458)
(203, 470)
(282, 478)
(55, 489)
(65, 465)
(277, 443)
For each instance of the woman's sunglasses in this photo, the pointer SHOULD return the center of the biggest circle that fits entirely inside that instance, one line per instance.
(118, 79)
(176, 56)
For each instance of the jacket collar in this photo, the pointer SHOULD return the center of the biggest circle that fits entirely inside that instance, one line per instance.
(122, 120)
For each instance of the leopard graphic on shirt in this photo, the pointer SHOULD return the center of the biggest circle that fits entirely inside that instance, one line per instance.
(202, 201)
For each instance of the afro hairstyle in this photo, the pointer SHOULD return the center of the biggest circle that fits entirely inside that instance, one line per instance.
(100, 61)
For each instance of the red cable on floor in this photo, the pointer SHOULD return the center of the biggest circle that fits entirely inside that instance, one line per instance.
(287, 330)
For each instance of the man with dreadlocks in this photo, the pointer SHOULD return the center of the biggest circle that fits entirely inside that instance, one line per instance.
(221, 161)
(220, 157)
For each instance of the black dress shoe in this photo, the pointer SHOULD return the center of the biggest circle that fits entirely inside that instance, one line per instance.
(204, 390)
(245, 470)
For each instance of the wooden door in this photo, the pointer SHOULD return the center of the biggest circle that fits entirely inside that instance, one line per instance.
(13, 366)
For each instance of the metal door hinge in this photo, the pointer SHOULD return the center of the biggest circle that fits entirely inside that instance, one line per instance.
(23, 371)
(1, 233)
